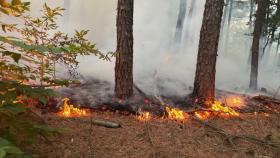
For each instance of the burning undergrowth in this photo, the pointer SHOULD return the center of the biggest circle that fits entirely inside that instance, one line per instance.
(95, 95)
(162, 124)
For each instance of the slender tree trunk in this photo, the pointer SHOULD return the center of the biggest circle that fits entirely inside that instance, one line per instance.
(124, 57)
(259, 23)
(189, 21)
(252, 6)
(228, 25)
(180, 21)
(190, 15)
(277, 59)
(225, 13)
(204, 84)
(66, 15)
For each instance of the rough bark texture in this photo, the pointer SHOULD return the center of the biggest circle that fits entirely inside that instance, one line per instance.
(259, 23)
(180, 21)
(204, 84)
(124, 58)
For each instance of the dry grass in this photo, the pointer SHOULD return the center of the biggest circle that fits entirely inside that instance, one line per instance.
(158, 138)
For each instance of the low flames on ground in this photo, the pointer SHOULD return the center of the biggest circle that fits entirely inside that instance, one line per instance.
(217, 109)
(68, 110)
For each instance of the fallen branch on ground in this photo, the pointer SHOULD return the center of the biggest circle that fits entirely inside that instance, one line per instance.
(107, 124)
(231, 137)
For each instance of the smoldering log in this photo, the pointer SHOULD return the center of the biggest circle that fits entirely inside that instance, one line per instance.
(97, 122)
(106, 124)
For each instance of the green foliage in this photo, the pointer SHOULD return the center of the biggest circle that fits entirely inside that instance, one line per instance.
(30, 58)
(7, 148)
(15, 8)
(18, 124)
(34, 56)
(41, 47)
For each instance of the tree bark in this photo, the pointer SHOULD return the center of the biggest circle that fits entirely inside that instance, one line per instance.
(204, 84)
(124, 57)
(259, 23)
(180, 21)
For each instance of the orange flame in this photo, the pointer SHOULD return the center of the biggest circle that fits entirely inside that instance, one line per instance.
(203, 115)
(235, 101)
(144, 116)
(175, 114)
(219, 108)
(70, 111)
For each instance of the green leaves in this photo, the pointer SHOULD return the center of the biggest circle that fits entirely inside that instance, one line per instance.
(13, 55)
(7, 148)
(15, 8)
(15, 108)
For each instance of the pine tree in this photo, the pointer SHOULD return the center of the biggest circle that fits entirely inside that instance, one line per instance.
(204, 84)
(124, 56)
(259, 23)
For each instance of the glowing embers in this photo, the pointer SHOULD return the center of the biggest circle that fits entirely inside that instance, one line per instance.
(175, 114)
(144, 116)
(70, 111)
(235, 101)
(203, 115)
(217, 109)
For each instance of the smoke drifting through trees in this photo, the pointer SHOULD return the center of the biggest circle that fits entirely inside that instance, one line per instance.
(174, 69)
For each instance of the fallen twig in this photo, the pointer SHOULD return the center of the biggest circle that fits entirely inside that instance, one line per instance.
(155, 151)
(107, 124)
(231, 137)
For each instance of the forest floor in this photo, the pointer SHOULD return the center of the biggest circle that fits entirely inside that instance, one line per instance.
(158, 138)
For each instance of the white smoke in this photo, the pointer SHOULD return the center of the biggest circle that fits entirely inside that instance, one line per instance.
(156, 62)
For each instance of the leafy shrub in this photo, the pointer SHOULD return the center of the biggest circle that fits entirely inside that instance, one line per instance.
(29, 58)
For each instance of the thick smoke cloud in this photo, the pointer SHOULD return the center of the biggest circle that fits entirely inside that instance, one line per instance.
(159, 65)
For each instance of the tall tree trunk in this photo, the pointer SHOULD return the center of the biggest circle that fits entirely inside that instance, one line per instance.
(189, 21)
(180, 21)
(190, 15)
(277, 59)
(259, 23)
(228, 25)
(66, 15)
(252, 6)
(204, 84)
(225, 13)
(124, 57)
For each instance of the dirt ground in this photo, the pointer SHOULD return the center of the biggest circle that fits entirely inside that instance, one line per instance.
(159, 138)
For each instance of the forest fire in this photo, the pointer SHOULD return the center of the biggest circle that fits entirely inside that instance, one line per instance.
(70, 111)
(235, 101)
(203, 115)
(144, 116)
(218, 108)
(175, 114)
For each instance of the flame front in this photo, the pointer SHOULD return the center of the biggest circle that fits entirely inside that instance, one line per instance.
(235, 101)
(144, 116)
(175, 114)
(70, 111)
(203, 115)
(219, 108)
